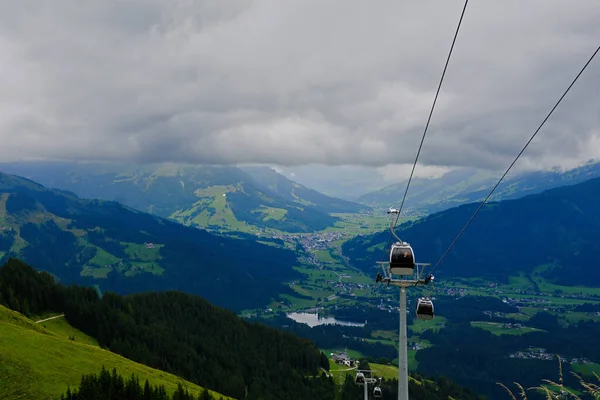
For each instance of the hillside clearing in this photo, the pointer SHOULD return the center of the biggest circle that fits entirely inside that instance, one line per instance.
(39, 363)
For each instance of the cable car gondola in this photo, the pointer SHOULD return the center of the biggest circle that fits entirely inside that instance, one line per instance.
(402, 259)
(360, 379)
(425, 309)
(377, 392)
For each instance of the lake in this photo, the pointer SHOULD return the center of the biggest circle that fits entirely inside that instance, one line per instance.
(313, 319)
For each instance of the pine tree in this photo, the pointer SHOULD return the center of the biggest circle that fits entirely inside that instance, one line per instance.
(25, 308)
(205, 395)
(324, 362)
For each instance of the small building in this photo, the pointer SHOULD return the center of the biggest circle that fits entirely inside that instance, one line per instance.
(341, 358)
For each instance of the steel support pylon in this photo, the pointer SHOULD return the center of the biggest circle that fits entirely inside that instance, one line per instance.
(403, 284)
(402, 349)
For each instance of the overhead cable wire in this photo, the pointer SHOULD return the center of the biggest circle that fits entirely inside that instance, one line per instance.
(514, 161)
(437, 93)
(393, 226)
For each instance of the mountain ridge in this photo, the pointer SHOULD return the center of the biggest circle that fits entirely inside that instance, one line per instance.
(125, 250)
(212, 197)
(463, 186)
(293, 191)
(559, 248)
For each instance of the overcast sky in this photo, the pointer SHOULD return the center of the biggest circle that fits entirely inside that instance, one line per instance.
(298, 82)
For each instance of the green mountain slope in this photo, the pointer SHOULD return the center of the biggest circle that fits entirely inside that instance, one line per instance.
(124, 250)
(464, 186)
(214, 197)
(37, 363)
(292, 191)
(557, 229)
(178, 333)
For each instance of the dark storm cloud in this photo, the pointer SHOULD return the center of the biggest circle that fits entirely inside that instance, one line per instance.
(297, 82)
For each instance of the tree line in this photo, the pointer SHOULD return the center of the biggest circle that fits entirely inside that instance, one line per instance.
(112, 386)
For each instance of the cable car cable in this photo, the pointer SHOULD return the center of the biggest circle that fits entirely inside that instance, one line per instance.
(426, 128)
(514, 161)
(431, 111)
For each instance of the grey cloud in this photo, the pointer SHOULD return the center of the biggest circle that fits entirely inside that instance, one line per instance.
(297, 82)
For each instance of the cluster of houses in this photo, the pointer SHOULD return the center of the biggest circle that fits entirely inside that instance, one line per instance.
(533, 353)
(343, 359)
(312, 241)
(453, 291)
(542, 354)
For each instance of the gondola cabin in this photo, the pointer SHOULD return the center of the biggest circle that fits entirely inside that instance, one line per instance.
(360, 379)
(425, 309)
(402, 259)
(377, 392)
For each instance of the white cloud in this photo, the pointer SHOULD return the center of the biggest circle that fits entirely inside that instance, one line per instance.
(397, 173)
(298, 82)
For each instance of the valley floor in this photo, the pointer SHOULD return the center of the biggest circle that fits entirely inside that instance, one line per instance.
(330, 284)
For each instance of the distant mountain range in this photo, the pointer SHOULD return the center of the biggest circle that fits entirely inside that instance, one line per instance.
(346, 182)
(554, 233)
(465, 185)
(212, 197)
(294, 192)
(125, 250)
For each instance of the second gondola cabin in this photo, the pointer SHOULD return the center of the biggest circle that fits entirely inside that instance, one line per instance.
(377, 392)
(360, 379)
(425, 309)
(402, 259)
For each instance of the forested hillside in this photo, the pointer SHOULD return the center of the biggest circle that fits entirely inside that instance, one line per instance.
(181, 334)
(40, 358)
(124, 250)
(556, 230)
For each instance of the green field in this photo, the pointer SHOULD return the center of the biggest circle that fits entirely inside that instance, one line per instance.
(586, 369)
(141, 259)
(271, 213)
(419, 326)
(40, 363)
(325, 256)
(102, 258)
(212, 210)
(498, 328)
(354, 224)
(379, 371)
